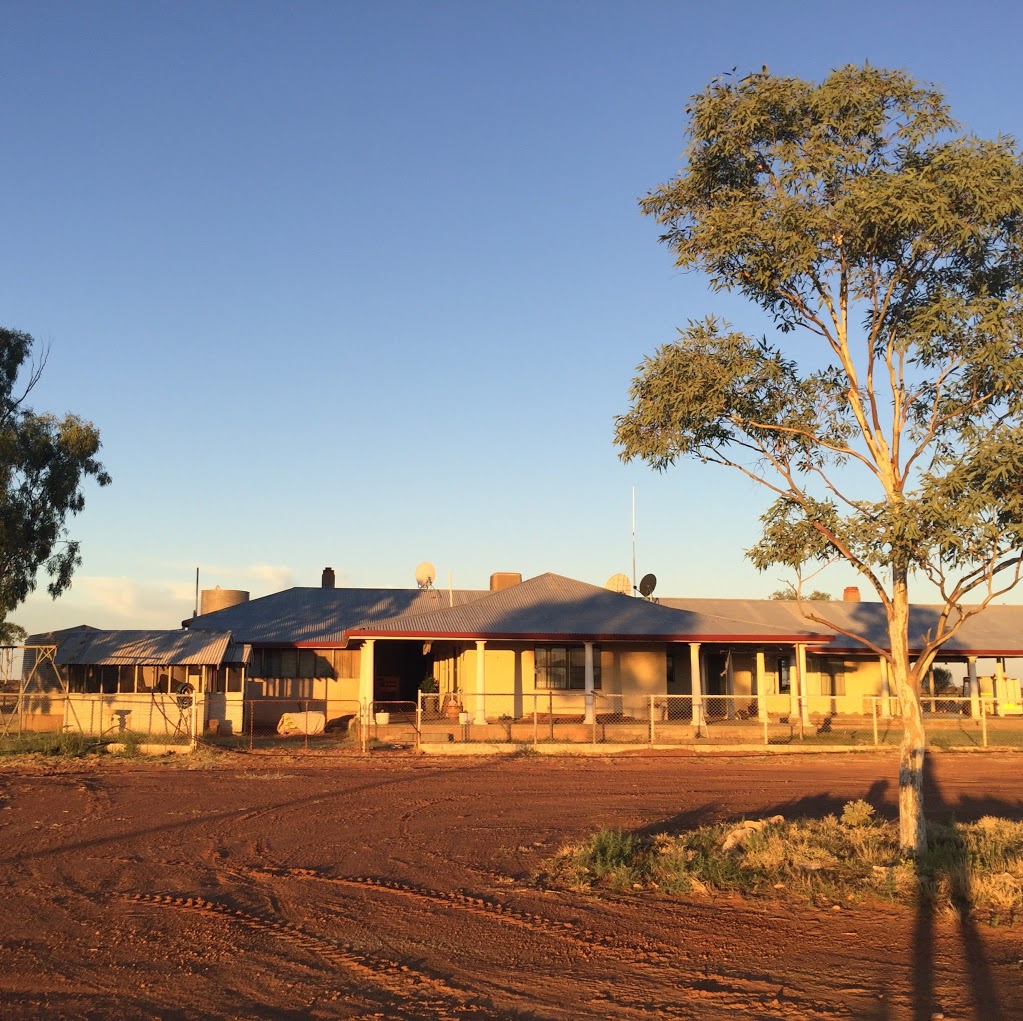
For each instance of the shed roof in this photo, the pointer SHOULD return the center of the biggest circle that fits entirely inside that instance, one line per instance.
(162, 648)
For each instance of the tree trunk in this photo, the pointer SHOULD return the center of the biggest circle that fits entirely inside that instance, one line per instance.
(912, 827)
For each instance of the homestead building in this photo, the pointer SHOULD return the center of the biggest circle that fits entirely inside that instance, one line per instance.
(548, 644)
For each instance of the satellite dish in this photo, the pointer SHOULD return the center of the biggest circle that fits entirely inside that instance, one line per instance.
(618, 583)
(647, 584)
(425, 574)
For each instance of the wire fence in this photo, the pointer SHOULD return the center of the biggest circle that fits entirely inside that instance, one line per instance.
(518, 719)
(160, 719)
(557, 717)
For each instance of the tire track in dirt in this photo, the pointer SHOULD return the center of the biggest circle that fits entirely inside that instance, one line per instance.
(441, 997)
(729, 991)
(701, 986)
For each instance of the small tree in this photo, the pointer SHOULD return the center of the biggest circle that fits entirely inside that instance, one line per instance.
(885, 411)
(791, 591)
(44, 462)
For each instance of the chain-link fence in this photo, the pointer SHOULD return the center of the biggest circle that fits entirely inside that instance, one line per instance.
(497, 718)
(161, 718)
(559, 717)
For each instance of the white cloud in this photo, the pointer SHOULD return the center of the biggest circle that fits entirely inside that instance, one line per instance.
(107, 602)
(125, 603)
(273, 577)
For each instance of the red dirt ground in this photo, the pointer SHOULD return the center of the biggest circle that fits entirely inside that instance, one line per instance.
(258, 887)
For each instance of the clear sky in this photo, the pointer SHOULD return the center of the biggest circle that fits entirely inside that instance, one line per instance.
(364, 284)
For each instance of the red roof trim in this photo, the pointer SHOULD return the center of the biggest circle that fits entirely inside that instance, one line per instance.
(943, 653)
(551, 636)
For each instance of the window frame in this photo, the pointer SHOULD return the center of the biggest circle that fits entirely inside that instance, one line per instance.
(567, 662)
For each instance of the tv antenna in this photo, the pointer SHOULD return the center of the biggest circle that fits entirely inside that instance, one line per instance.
(618, 583)
(647, 585)
(633, 538)
(426, 573)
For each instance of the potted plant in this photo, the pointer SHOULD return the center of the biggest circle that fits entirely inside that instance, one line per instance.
(429, 698)
(452, 705)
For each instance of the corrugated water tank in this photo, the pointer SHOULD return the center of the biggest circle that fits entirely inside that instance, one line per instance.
(219, 598)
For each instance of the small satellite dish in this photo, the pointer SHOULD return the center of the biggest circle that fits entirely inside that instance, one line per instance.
(618, 583)
(647, 584)
(425, 574)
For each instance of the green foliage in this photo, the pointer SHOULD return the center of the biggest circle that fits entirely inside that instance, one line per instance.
(610, 857)
(789, 592)
(847, 210)
(857, 813)
(44, 463)
(610, 849)
(967, 866)
(11, 633)
(66, 744)
(853, 215)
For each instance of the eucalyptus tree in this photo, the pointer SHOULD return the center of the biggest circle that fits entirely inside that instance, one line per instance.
(45, 460)
(883, 405)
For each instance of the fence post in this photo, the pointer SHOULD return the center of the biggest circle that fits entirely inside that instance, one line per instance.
(873, 714)
(983, 723)
(653, 729)
(252, 721)
(305, 725)
(536, 724)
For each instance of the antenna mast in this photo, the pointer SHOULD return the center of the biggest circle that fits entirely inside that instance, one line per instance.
(633, 538)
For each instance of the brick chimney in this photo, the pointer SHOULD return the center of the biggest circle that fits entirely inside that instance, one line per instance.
(851, 594)
(501, 580)
(327, 581)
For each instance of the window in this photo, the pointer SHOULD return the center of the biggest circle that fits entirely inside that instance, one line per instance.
(784, 677)
(108, 680)
(289, 663)
(76, 675)
(563, 667)
(831, 673)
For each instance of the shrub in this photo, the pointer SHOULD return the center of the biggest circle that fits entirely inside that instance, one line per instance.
(857, 813)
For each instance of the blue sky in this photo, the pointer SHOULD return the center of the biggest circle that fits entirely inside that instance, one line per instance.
(363, 285)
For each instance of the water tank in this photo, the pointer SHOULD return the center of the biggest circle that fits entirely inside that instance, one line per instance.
(219, 598)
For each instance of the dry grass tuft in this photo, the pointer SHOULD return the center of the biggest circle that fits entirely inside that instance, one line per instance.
(975, 867)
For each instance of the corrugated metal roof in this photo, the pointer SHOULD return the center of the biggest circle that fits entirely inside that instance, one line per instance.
(996, 631)
(238, 653)
(320, 616)
(554, 606)
(141, 647)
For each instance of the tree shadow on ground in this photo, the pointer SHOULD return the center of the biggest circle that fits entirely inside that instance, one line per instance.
(882, 794)
(954, 869)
